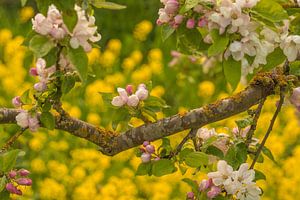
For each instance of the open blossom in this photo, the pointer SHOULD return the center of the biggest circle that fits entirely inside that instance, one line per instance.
(85, 31)
(43, 73)
(133, 100)
(26, 120)
(168, 14)
(223, 175)
(249, 192)
(291, 46)
(51, 25)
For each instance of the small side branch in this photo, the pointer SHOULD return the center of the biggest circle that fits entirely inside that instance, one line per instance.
(254, 124)
(12, 140)
(269, 129)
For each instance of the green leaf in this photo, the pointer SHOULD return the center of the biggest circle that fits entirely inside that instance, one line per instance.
(241, 152)
(23, 2)
(155, 102)
(295, 68)
(193, 184)
(232, 72)
(236, 155)
(67, 84)
(220, 43)
(166, 32)
(70, 18)
(40, 45)
(5, 195)
(274, 59)
(144, 169)
(259, 175)
(107, 5)
(79, 59)
(270, 10)
(163, 167)
(148, 112)
(2, 183)
(212, 150)
(243, 123)
(48, 120)
(267, 152)
(8, 160)
(196, 159)
(189, 4)
(25, 97)
(184, 152)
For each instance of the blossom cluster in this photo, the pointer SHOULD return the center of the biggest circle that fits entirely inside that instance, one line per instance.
(85, 30)
(208, 187)
(232, 17)
(17, 178)
(28, 120)
(239, 183)
(126, 96)
(148, 152)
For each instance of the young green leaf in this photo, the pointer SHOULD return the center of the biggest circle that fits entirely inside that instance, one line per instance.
(144, 169)
(79, 59)
(107, 5)
(163, 167)
(67, 84)
(166, 32)
(220, 43)
(196, 159)
(48, 120)
(40, 45)
(232, 72)
(8, 160)
(270, 10)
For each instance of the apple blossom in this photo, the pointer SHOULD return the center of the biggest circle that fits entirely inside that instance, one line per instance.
(295, 98)
(133, 100)
(23, 172)
(12, 189)
(12, 174)
(146, 157)
(213, 192)
(190, 23)
(171, 7)
(190, 195)
(150, 148)
(223, 175)
(142, 93)
(24, 181)
(118, 101)
(85, 31)
(16, 101)
(26, 120)
(291, 46)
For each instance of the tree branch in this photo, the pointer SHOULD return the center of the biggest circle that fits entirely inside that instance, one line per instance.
(111, 143)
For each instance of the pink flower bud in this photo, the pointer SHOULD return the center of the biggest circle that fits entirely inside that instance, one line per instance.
(12, 174)
(178, 19)
(145, 143)
(175, 54)
(16, 101)
(146, 157)
(205, 184)
(23, 172)
(190, 23)
(33, 123)
(129, 89)
(157, 158)
(158, 22)
(133, 100)
(202, 22)
(33, 71)
(40, 87)
(171, 7)
(24, 181)
(213, 192)
(117, 101)
(142, 93)
(190, 195)
(12, 189)
(150, 148)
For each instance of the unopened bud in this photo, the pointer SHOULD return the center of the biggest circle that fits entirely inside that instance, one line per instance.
(146, 157)
(150, 148)
(24, 181)
(12, 174)
(33, 71)
(23, 172)
(16, 101)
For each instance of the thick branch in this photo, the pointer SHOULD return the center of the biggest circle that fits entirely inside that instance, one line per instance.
(111, 143)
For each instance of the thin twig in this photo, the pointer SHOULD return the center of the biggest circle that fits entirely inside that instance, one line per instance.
(269, 129)
(191, 134)
(11, 140)
(254, 124)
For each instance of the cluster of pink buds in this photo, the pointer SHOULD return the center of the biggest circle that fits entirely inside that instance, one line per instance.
(126, 96)
(208, 187)
(148, 152)
(43, 74)
(27, 120)
(169, 14)
(295, 98)
(17, 178)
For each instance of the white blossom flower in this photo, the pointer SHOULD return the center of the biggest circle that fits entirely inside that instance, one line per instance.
(246, 3)
(291, 46)
(142, 93)
(223, 175)
(123, 94)
(249, 192)
(25, 120)
(85, 31)
(118, 101)
(205, 133)
(133, 100)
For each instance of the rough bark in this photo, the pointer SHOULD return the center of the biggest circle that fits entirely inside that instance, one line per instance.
(111, 143)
